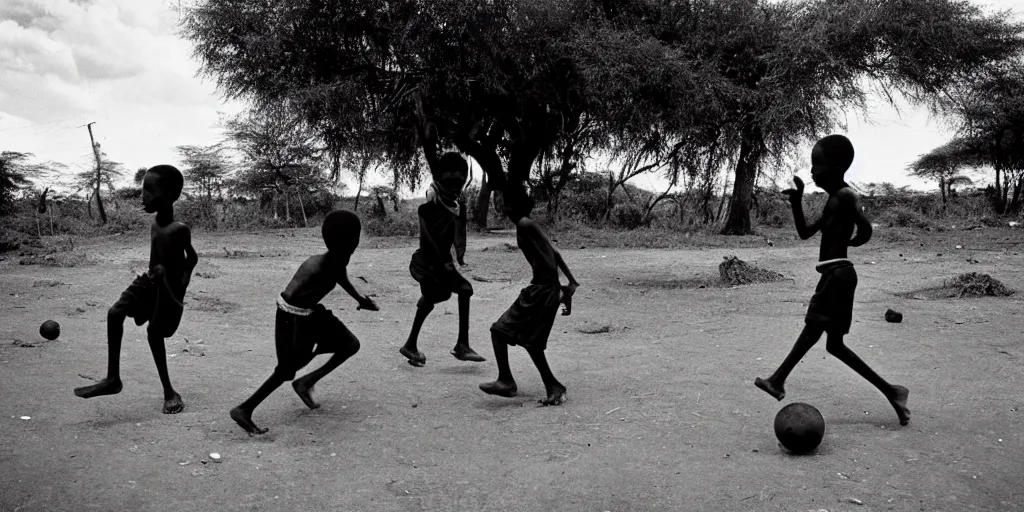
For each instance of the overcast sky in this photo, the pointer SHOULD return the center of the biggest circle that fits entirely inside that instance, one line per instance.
(121, 64)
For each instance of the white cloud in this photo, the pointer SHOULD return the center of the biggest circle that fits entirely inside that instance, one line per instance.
(119, 63)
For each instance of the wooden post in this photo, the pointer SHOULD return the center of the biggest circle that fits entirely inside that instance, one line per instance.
(99, 175)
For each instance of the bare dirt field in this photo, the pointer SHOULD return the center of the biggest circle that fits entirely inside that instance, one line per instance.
(661, 414)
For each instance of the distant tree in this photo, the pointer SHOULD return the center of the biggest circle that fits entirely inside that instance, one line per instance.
(15, 174)
(944, 163)
(205, 167)
(108, 173)
(990, 113)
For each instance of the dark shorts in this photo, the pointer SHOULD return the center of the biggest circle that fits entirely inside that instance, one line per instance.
(437, 283)
(831, 305)
(146, 300)
(298, 339)
(528, 321)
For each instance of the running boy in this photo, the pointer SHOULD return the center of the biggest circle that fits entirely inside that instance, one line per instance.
(442, 225)
(831, 307)
(305, 328)
(528, 321)
(156, 296)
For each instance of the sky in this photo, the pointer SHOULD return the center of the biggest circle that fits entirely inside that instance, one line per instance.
(121, 65)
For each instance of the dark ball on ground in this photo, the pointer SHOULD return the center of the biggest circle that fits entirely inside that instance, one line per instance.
(799, 427)
(49, 330)
(893, 317)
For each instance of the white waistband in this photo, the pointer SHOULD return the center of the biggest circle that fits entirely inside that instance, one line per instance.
(288, 308)
(829, 263)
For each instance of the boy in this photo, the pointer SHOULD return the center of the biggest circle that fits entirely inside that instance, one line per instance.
(442, 225)
(528, 321)
(831, 307)
(156, 296)
(304, 327)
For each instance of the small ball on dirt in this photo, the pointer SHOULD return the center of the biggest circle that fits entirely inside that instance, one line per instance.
(49, 330)
(799, 427)
(893, 317)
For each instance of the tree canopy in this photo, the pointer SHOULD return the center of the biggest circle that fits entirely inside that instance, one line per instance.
(688, 85)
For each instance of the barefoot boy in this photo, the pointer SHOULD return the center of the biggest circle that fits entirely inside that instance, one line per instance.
(442, 225)
(528, 321)
(156, 296)
(304, 327)
(831, 307)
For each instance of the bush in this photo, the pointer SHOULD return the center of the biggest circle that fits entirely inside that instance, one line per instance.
(903, 217)
(628, 216)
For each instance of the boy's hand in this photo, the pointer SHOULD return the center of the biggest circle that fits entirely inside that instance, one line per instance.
(567, 292)
(367, 304)
(795, 195)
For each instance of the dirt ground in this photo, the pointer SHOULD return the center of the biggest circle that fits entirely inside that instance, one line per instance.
(662, 413)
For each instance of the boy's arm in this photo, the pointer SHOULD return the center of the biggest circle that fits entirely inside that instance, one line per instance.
(540, 242)
(460, 233)
(427, 134)
(568, 290)
(364, 301)
(796, 198)
(191, 258)
(850, 203)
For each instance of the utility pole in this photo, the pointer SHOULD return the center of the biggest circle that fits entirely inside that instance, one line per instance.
(99, 175)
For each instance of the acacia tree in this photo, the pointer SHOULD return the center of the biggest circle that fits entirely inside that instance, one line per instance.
(493, 79)
(205, 167)
(94, 180)
(281, 155)
(781, 72)
(944, 163)
(15, 174)
(990, 112)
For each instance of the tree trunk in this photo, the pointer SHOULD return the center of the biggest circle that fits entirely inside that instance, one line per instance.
(287, 208)
(302, 207)
(721, 202)
(482, 205)
(359, 193)
(942, 187)
(738, 222)
(1014, 207)
(88, 205)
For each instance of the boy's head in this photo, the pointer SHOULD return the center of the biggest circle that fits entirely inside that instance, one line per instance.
(161, 187)
(830, 159)
(452, 173)
(341, 231)
(517, 203)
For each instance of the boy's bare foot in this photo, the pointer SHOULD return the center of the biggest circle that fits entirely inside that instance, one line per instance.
(899, 402)
(505, 389)
(304, 391)
(244, 420)
(768, 387)
(464, 353)
(415, 358)
(555, 396)
(106, 386)
(173, 404)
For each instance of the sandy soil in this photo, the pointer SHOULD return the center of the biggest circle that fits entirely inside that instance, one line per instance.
(662, 413)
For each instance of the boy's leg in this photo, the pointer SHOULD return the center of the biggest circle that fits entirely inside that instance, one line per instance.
(776, 383)
(897, 395)
(555, 389)
(410, 350)
(462, 350)
(172, 401)
(111, 385)
(243, 413)
(303, 386)
(505, 385)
